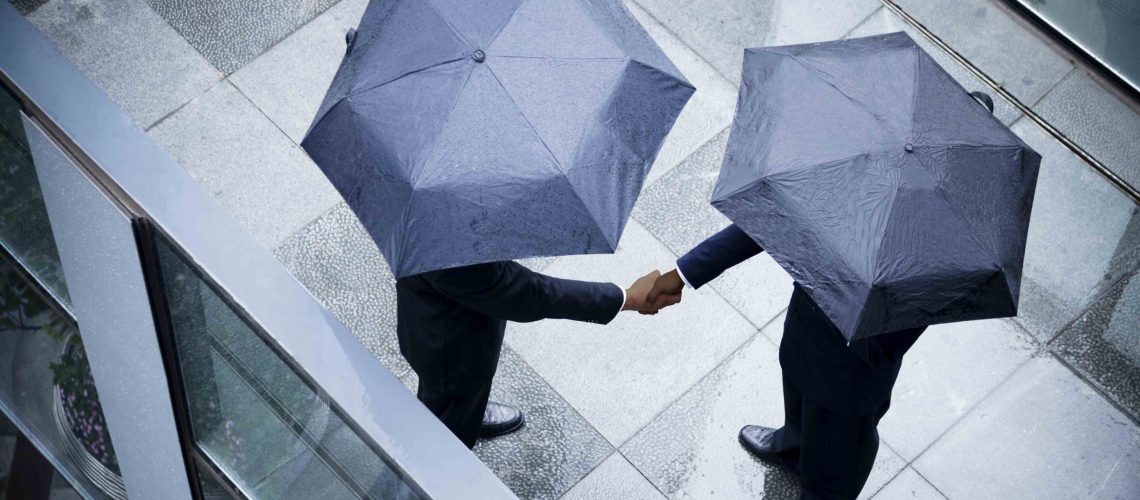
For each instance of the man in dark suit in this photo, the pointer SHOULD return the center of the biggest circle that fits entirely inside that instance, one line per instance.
(835, 391)
(451, 324)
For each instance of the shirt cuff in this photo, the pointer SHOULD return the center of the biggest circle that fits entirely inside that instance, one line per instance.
(623, 299)
(683, 278)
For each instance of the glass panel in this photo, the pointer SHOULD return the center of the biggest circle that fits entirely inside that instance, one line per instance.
(252, 415)
(46, 386)
(24, 228)
(1107, 29)
(60, 489)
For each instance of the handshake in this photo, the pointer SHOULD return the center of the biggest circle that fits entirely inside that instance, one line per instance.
(654, 292)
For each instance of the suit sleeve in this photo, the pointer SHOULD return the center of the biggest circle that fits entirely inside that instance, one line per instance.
(509, 291)
(716, 255)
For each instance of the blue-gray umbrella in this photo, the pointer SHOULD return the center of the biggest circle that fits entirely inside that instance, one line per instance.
(463, 132)
(886, 191)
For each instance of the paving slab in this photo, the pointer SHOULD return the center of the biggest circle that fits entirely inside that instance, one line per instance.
(341, 266)
(1104, 344)
(947, 372)
(130, 52)
(555, 449)
(1043, 434)
(620, 375)
(1083, 237)
(708, 111)
(988, 36)
(1098, 121)
(615, 478)
(886, 21)
(230, 33)
(289, 81)
(260, 176)
(720, 30)
(908, 485)
(677, 212)
(691, 450)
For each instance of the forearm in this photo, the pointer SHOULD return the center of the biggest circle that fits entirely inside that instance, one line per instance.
(715, 255)
(509, 291)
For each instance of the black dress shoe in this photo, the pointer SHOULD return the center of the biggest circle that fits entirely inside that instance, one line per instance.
(761, 443)
(500, 419)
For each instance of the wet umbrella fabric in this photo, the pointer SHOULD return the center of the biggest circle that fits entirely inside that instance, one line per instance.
(886, 191)
(463, 132)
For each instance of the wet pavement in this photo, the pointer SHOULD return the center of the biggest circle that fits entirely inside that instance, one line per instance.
(1044, 405)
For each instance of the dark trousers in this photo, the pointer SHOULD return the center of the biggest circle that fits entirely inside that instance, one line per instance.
(834, 453)
(463, 414)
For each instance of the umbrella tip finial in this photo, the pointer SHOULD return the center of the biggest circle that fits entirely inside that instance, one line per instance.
(479, 55)
(909, 147)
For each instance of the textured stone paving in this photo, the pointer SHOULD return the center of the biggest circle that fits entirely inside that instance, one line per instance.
(1044, 405)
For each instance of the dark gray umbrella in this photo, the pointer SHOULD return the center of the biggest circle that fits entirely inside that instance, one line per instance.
(463, 132)
(886, 191)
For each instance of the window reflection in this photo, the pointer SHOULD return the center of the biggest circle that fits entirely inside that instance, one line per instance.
(46, 389)
(252, 416)
(24, 229)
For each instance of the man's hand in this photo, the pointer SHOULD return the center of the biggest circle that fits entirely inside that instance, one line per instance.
(666, 285)
(637, 296)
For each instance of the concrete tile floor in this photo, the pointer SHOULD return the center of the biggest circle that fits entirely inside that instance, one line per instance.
(1024, 66)
(909, 485)
(708, 111)
(885, 21)
(719, 31)
(963, 384)
(620, 375)
(1097, 120)
(1083, 237)
(130, 52)
(230, 33)
(615, 478)
(1043, 434)
(244, 160)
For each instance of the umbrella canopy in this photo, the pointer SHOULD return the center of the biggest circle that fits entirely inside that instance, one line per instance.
(463, 132)
(886, 191)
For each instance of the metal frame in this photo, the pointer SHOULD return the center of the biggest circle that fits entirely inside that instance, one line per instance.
(137, 173)
(97, 249)
(1090, 60)
(148, 256)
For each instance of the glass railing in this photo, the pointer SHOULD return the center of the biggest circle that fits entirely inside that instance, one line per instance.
(256, 419)
(133, 308)
(1108, 31)
(47, 391)
(24, 229)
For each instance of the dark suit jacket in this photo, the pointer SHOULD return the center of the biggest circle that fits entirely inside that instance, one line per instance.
(852, 379)
(451, 321)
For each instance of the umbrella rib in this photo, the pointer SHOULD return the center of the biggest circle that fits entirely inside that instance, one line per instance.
(879, 249)
(566, 58)
(550, 152)
(973, 235)
(946, 199)
(763, 178)
(914, 91)
(819, 74)
(386, 82)
(416, 174)
(495, 36)
(447, 23)
(527, 120)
